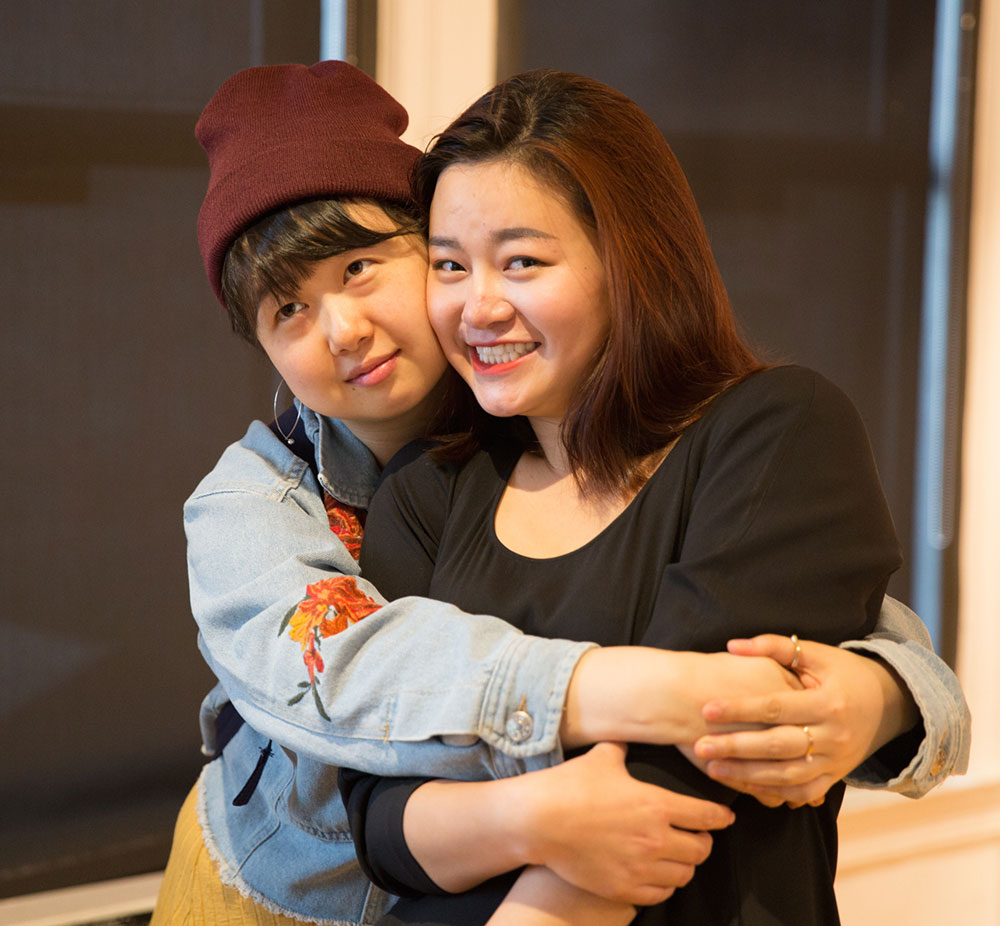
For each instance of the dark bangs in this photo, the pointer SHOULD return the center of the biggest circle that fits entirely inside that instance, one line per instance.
(273, 256)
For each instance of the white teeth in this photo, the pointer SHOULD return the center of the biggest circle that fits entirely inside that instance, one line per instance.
(504, 353)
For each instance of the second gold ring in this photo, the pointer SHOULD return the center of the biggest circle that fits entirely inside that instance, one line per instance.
(810, 745)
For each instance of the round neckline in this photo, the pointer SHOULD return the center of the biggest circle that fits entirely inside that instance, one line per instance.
(507, 471)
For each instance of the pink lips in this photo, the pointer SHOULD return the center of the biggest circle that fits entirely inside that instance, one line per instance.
(371, 374)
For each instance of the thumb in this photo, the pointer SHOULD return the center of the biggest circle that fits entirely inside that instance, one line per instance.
(612, 753)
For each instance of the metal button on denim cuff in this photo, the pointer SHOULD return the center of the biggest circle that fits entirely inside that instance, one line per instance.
(520, 724)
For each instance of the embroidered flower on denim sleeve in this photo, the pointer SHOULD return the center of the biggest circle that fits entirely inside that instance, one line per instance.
(331, 606)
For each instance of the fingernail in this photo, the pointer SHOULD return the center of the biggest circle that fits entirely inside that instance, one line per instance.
(705, 749)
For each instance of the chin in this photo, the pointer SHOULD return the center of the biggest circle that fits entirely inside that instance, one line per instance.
(499, 410)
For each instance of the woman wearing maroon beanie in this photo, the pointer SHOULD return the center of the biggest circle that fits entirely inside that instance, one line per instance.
(312, 244)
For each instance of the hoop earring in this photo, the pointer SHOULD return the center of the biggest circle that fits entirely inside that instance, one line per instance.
(289, 439)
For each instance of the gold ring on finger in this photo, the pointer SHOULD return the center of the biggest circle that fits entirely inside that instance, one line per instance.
(810, 745)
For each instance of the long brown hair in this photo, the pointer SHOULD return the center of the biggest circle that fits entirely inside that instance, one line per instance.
(673, 344)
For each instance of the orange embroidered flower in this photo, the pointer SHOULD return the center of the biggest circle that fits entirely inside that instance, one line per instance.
(330, 607)
(314, 663)
(346, 523)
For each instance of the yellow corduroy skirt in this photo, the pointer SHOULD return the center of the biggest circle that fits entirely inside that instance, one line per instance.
(192, 892)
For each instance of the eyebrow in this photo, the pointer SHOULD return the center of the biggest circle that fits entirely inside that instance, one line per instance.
(498, 237)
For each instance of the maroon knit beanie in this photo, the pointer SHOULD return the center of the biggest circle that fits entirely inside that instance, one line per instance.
(287, 133)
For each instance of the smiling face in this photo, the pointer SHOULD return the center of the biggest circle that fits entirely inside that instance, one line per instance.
(516, 289)
(353, 342)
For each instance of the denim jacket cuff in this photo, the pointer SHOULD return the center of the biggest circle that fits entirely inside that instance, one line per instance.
(944, 749)
(524, 700)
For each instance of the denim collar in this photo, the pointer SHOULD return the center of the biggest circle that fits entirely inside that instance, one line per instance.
(347, 468)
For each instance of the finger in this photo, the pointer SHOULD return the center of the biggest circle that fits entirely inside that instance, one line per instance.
(648, 895)
(813, 792)
(694, 814)
(783, 650)
(668, 873)
(767, 798)
(675, 869)
(782, 707)
(747, 775)
(763, 774)
(610, 752)
(680, 846)
(773, 743)
(777, 647)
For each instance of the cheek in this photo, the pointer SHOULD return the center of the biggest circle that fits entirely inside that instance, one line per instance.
(295, 361)
(426, 350)
(442, 312)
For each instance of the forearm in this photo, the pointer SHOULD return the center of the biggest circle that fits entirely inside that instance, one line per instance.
(541, 898)
(645, 695)
(587, 819)
(463, 833)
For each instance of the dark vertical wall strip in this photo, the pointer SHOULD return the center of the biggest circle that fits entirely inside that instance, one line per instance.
(121, 386)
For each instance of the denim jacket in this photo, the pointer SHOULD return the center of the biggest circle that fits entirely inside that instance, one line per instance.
(326, 673)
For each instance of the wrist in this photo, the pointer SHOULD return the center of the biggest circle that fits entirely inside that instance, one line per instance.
(462, 833)
(535, 816)
(633, 694)
(899, 709)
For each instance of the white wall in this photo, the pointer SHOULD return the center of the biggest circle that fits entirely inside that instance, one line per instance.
(436, 57)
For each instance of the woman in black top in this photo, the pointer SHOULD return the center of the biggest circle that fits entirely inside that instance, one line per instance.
(636, 460)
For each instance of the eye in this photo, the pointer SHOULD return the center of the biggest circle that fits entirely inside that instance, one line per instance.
(447, 266)
(357, 267)
(289, 310)
(523, 263)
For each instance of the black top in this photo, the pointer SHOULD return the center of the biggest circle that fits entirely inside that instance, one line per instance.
(767, 516)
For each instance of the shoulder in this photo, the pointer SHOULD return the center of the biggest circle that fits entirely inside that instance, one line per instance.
(782, 400)
(795, 388)
(258, 463)
(415, 469)
(787, 433)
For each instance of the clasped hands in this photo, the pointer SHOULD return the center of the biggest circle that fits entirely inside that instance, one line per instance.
(806, 740)
(784, 737)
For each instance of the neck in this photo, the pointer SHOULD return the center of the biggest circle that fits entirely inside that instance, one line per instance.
(385, 437)
(548, 433)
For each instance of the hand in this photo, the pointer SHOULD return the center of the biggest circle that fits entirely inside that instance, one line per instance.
(851, 705)
(602, 830)
(540, 897)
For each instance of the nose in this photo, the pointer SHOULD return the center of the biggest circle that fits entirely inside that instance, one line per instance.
(345, 325)
(486, 305)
